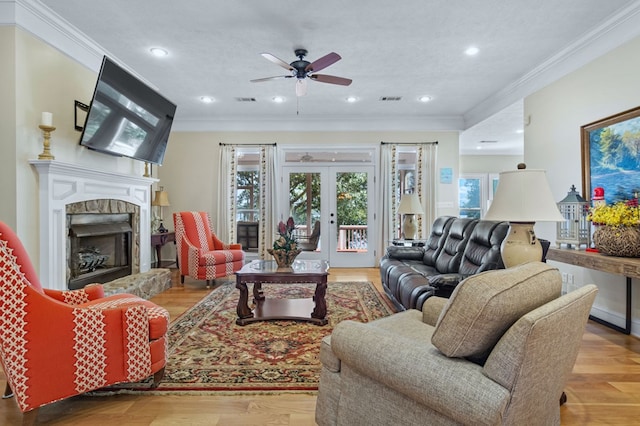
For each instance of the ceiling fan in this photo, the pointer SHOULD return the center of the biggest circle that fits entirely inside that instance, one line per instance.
(303, 70)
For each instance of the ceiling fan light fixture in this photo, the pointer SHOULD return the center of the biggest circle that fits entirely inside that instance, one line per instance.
(301, 87)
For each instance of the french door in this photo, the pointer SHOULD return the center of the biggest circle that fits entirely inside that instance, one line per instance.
(341, 199)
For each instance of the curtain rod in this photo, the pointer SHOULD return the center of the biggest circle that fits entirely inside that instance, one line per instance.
(248, 144)
(409, 143)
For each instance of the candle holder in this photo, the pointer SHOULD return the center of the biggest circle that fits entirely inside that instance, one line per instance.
(46, 153)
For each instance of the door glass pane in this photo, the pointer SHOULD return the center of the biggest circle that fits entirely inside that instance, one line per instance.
(351, 210)
(469, 192)
(304, 207)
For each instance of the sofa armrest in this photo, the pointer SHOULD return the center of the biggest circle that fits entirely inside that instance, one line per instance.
(420, 372)
(405, 253)
(431, 309)
(446, 280)
(76, 297)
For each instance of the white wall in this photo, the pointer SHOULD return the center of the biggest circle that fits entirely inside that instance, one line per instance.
(605, 87)
(189, 172)
(488, 163)
(8, 187)
(40, 78)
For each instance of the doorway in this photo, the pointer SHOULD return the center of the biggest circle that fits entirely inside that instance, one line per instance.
(338, 201)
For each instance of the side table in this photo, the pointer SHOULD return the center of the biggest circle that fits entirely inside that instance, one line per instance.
(158, 241)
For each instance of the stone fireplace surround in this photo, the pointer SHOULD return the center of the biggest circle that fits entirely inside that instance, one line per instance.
(61, 184)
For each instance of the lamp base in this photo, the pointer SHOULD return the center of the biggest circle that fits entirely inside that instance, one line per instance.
(520, 245)
(409, 227)
(162, 229)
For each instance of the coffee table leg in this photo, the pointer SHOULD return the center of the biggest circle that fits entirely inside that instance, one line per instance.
(243, 310)
(320, 310)
(258, 294)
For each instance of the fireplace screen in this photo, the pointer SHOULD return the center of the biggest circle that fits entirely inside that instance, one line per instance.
(100, 248)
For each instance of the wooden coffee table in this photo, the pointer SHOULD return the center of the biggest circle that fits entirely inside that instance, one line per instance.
(260, 272)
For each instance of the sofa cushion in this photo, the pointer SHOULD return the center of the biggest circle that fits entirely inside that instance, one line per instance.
(484, 306)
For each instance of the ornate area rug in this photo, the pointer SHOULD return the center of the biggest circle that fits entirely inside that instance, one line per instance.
(209, 352)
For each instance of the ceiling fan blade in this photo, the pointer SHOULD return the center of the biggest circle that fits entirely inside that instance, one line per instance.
(323, 62)
(277, 61)
(332, 79)
(301, 87)
(277, 77)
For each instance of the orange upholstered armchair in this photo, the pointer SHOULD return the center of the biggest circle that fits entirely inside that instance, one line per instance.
(201, 255)
(57, 344)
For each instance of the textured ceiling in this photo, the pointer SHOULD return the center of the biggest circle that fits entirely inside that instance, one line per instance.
(402, 49)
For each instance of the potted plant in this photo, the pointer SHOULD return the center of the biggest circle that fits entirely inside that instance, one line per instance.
(285, 248)
(617, 228)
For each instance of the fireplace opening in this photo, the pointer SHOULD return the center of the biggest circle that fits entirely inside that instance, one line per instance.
(99, 248)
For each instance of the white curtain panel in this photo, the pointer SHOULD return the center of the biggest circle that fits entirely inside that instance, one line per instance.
(388, 196)
(225, 221)
(269, 205)
(426, 181)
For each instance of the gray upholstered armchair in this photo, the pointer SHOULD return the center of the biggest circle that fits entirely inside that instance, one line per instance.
(498, 352)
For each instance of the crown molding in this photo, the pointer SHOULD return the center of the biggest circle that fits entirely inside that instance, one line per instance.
(619, 28)
(43, 23)
(320, 124)
(37, 19)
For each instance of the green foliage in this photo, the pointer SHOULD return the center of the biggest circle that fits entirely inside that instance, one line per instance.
(351, 203)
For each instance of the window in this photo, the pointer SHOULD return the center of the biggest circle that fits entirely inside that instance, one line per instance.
(248, 186)
(473, 194)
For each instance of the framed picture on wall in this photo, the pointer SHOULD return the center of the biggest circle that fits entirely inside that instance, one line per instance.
(611, 156)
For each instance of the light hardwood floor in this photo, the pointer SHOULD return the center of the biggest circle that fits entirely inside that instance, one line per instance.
(604, 388)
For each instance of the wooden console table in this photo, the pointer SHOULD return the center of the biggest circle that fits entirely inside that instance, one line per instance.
(158, 240)
(626, 266)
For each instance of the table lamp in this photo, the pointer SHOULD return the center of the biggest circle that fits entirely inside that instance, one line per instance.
(161, 199)
(523, 197)
(409, 207)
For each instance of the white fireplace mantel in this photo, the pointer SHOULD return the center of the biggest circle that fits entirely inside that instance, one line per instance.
(64, 183)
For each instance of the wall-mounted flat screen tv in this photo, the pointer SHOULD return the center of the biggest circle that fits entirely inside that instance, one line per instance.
(126, 117)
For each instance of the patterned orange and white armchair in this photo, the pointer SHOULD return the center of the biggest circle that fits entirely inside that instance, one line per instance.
(57, 344)
(201, 255)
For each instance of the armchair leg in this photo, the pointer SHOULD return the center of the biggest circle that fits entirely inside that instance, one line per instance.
(208, 283)
(182, 279)
(8, 393)
(29, 417)
(157, 378)
(563, 398)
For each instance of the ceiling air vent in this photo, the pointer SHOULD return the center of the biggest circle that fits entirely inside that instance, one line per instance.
(246, 99)
(488, 142)
(390, 98)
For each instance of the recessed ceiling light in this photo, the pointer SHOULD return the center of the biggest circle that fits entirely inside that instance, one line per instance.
(519, 131)
(471, 51)
(278, 99)
(425, 98)
(352, 99)
(206, 99)
(158, 51)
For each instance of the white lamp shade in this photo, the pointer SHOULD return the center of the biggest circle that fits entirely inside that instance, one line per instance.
(410, 204)
(524, 196)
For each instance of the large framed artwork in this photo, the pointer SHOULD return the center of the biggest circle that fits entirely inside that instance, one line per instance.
(611, 156)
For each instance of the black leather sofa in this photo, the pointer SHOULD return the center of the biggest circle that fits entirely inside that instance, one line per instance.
(456, 249)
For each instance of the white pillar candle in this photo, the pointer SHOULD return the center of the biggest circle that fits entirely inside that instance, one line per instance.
(47, 119)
